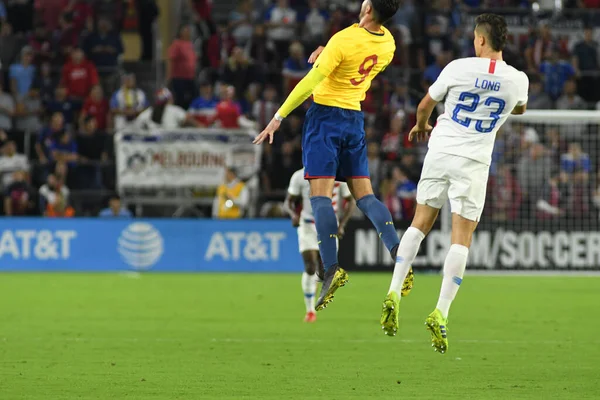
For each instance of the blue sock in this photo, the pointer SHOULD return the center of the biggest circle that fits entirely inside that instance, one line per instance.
(327, 228)
(380, 216)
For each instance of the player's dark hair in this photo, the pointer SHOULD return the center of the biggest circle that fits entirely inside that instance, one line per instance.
(384, 10)
(495, 29)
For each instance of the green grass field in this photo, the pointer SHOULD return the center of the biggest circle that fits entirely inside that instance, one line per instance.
(67, 336)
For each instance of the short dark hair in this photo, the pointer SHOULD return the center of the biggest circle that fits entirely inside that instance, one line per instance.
(384, 10)
(495, 29)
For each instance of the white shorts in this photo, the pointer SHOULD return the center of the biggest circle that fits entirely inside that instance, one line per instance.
(307, 237)
(461, 180)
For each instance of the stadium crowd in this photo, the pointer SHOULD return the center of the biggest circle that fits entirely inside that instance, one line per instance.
(61, 78)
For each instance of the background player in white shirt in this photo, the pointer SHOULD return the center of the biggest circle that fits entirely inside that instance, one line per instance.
(297, 204)
(480, 93)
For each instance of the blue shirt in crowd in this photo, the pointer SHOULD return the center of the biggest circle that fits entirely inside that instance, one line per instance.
(108, 213)
(555, 76)
(571, 165)
(24, 77)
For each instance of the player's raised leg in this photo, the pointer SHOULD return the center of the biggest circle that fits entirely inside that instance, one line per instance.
(326, 222)
(309, 283)
(422, 223)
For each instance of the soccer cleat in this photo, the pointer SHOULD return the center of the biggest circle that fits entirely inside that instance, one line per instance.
(437, 327)
(335, 277)
(389, 315)
(310, 317)
(409, 281)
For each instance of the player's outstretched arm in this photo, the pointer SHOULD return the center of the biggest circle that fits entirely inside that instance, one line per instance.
(519, 110)
(298, 96)
(422, 129)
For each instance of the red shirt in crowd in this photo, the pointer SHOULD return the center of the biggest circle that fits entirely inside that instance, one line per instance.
(79, 78)
(82, 10)
(98, 110)
(203, 8)
(183, 59)
(591, 3)
(228, 113)
(50, 11)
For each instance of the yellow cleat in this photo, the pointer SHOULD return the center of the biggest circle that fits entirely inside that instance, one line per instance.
(334, 279)
(409, 281)
(389, 315)
(437, 327)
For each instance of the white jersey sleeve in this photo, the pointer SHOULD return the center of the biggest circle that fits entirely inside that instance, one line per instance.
(296, 183)
(480, 95)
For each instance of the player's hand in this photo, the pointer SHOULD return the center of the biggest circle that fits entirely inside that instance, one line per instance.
(268, 132)
(313, 57)
(295, 221)
(341, 231)
(421, 134)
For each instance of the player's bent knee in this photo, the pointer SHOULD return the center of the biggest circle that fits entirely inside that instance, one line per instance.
(424, 218)
(360, 187)
(462, 230)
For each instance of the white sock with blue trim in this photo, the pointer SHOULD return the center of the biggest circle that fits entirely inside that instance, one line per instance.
(454, 270)
(405, 256)
(309, 287)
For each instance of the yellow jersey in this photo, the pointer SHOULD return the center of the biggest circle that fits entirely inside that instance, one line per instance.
(233, 211)
(351, 60)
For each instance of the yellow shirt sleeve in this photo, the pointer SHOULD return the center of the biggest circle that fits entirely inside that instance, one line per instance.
(301, 92)
(332, 55)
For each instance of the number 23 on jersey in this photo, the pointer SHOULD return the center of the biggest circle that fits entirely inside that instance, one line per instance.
(469, 103)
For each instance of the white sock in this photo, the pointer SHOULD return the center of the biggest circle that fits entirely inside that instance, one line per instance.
(407, 251)
(454, 269)
(309, 287)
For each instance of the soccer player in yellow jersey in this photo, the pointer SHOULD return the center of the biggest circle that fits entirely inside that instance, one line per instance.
(333, 141)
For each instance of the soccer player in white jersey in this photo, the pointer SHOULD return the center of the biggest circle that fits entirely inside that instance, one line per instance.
(299, 197)
(480, 93)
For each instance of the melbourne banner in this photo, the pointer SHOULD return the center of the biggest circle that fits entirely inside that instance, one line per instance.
(148, 245)
(182, 158)
(496, 248)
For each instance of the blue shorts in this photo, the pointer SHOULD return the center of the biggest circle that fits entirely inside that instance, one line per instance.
(333, 144)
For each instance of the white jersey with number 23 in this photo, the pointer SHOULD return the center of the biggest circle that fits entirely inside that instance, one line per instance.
(480, 94)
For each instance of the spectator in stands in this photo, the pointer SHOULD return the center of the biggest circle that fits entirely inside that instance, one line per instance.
(49, 191)
(242, 21)
(232, 197)
(411, 165)
(7, 110)
(46, 82)
(10, 45)
(96, 105)
(63, 150)
(147, 13)
(109, 9)
(295, 67)
(400, 100)
(504, 195)
(44, 142)
(182, 67)
(10, 162)
(63, 104)
(104, 48)
(240, 71)
(91, 148)
(391, 145)
(266, 107)
(20, 15)
(281, 26)
(533, 171)
(79, 75)
(585, 63)
(555, 144)
(229, 113)
(261, 52)
(66, 38)
(81, 11)
(115, 209)
(22, 74)
(50, 11)
(127, 103)
(19, 196)
(405, 191)
(538, 99)
(59, 208)
(41, 43)
(575, 164)
(549, 203)
(570, 100)
(315, 24)
(164, 114)
(555, 73)
(433, 71)
(539, 48)
(204, 107)
(29, 111)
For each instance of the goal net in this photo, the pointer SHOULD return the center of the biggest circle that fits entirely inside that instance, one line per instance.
(543, 199)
